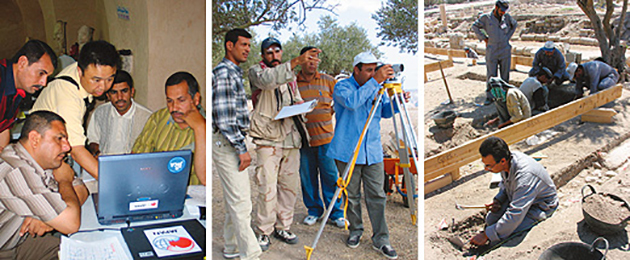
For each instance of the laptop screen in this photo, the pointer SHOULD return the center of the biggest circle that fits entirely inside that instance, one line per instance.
(135, 187)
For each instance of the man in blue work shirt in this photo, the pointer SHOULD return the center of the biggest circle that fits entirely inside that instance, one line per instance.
(499, 28)
(353, 99)
(551, 58)
(593, 75)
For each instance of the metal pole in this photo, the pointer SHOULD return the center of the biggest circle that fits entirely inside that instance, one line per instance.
(346, 172)
(403, 159)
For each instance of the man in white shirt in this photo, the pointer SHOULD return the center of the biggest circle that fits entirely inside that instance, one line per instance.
(114, 126)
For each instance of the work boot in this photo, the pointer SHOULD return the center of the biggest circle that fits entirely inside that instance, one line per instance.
(263, 241)
(310, 220)
(387, 250)
(230, 255)
(353, 241)
(286, 236)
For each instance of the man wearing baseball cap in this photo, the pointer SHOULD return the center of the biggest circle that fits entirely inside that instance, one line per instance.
(551, 58)
(498, 27)
(353, 99)
(594, 75)
(278, 142)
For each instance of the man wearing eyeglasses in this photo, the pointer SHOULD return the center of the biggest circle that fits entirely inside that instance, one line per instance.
(526, 195)
(278, 142)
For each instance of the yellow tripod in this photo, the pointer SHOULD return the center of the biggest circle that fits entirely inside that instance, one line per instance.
(394, 90)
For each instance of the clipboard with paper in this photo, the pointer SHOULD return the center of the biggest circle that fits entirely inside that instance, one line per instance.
(289, 111)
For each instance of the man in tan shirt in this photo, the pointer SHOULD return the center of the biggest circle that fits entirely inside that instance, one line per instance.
(74, 88)
(278, 142)
(38, 191)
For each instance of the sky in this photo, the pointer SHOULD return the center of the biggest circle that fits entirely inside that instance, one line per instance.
(359, 11)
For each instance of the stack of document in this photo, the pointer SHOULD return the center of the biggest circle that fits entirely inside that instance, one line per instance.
(105, 249)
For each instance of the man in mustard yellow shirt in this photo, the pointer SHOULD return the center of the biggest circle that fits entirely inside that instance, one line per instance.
(179, 126)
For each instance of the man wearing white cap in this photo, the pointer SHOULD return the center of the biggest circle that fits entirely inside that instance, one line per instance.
(278, 142)
(594, 75)
(353, 99)
(499, 28)
(551, 58)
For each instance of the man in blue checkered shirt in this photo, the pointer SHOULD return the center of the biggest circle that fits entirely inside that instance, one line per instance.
(230, 121)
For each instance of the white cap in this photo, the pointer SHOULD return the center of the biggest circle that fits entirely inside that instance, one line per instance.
(365, 58)
(571, 69)
(549, 46)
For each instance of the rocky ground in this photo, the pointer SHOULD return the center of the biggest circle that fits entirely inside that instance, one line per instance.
(576, 152)
(331, 245)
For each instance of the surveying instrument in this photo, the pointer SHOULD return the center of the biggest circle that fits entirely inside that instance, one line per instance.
(406, 143)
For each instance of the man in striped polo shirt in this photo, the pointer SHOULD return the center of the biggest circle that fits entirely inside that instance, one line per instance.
(315, 166)
(38, 191)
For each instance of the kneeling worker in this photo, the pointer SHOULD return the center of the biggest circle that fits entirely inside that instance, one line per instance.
(527, 194)
(593, 75)
(512, 105)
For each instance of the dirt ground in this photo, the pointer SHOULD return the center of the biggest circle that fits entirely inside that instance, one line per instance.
(331, 245)
(570, 148)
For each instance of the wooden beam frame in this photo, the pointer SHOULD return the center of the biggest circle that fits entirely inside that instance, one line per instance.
(435, 66)
(521, 60)
(599, 115)
(446, 52)
(451, 160)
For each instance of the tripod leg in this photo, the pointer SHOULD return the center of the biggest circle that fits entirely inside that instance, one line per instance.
(404, 159)
(410, 134)
(346, 176)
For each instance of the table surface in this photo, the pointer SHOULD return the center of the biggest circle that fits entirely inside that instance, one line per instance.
(88, 232)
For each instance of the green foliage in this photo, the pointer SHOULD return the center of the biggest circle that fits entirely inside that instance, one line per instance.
(339, 45)
(398, 24)
(228, 14)
(428, 3)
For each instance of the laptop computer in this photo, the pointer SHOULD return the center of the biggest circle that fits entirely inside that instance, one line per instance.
(141, 187)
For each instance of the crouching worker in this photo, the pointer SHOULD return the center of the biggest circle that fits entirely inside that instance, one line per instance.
(526, 195)
(38, 191)
(512, 105)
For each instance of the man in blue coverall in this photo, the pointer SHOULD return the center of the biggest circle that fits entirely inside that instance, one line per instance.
(551, 58)
(353, 99)
(499, 28)
(593, 75)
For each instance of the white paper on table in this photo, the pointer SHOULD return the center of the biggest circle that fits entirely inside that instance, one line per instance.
(298, 109)
(171, 241)
(105, 249)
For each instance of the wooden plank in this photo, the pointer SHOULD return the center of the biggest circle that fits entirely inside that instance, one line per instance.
(435, 66)
(437, 51)
(444, 162)
(606, 112)
(446, 52)
(597, 119)
(521, 60)
(437, 183)
(457, 53)
(455, 174)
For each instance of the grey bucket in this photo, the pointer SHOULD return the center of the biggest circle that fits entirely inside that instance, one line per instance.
(445, 119)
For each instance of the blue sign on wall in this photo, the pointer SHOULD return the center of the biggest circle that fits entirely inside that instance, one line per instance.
(123, 13)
